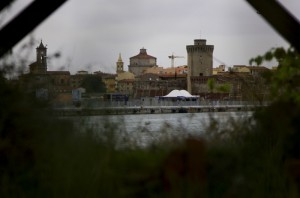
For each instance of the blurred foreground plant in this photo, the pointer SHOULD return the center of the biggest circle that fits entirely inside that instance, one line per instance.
(285, 80)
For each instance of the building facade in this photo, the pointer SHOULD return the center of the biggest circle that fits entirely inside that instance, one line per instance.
(219, 69)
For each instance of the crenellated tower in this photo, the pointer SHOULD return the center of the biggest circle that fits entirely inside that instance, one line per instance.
(200, 59)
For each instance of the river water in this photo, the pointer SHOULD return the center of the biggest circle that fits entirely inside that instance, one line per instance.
(143, 129)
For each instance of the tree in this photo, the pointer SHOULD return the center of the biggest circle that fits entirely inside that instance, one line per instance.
(211, 83)
(93, 84)
(284, 81)
(224, 88)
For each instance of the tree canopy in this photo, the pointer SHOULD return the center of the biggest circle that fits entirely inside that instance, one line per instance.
(93, 84)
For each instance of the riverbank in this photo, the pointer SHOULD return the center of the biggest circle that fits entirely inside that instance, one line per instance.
(149, 110)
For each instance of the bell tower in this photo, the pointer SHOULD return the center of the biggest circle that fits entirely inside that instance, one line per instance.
(41, 58)
(120, 65)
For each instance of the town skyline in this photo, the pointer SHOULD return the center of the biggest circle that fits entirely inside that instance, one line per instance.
(91, 37)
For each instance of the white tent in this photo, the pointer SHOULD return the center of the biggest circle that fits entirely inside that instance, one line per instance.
(179, 94)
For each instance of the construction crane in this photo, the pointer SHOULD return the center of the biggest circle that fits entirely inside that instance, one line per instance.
(172, 57)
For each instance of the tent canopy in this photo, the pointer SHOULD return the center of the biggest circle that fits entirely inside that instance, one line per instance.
(179, 94)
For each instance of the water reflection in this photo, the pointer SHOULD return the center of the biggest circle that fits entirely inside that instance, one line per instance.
(143, 129)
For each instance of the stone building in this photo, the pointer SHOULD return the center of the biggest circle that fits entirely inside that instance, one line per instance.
(151, 84)
(245, 84)
(170, 71)
(60, 81)
(52, 85)
(125, 86)
(200, 60)
(154, 70)
(110, 83)
(77, 79)
(200, 87)
(141, 62)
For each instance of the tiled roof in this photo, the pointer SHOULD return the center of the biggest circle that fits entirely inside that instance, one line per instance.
(258, 68)
(58, 72)
(173, 75)
(32, 64)
(126, 80)
(143, 55)
(110, 76)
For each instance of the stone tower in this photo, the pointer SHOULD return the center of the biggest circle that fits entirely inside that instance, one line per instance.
(40, 66)
(120, 65)
(200, 59)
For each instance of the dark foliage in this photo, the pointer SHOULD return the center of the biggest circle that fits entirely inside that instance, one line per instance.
(93, 84)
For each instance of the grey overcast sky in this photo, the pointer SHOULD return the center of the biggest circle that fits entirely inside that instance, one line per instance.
(90, 34)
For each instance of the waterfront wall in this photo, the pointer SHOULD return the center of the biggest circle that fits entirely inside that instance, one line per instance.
(154, 102)
(147, 107)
